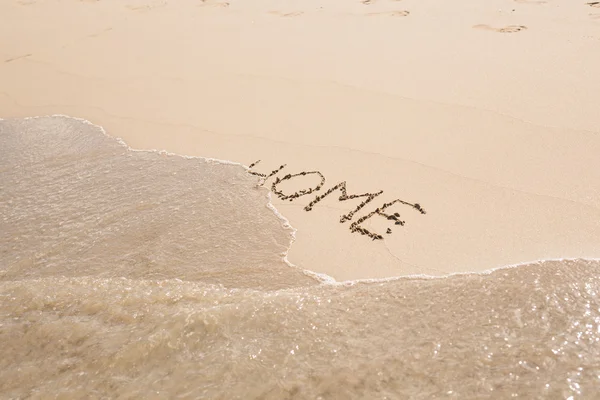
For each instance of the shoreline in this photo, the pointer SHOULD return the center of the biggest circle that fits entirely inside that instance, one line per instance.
(321, 278)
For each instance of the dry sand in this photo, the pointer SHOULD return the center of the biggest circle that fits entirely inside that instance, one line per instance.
(485, 113)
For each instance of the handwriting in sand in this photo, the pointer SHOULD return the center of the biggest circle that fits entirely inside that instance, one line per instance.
(355, 227)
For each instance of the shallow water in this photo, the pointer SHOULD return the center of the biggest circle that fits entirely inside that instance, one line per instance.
(146, 275)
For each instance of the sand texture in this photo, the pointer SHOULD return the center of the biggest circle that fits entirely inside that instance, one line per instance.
(484, 115)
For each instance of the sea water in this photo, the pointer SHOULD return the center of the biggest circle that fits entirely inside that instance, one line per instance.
(142, 274)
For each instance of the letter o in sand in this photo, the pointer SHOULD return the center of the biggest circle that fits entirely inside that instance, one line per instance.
(299, 193)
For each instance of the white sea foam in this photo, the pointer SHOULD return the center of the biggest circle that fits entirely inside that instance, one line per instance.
(324, 278)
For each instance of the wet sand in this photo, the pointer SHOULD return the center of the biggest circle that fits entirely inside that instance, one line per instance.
(139, 274)
(484, 114)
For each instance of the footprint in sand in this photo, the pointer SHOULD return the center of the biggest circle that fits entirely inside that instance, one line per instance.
(145, 7)
(213, 3)
(390, 14)
(595, 4)
(506, 29)
(286, 14)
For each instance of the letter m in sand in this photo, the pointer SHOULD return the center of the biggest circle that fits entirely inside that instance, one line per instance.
(344, 196)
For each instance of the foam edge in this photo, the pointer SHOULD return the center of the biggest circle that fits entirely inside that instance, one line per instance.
(319, 277)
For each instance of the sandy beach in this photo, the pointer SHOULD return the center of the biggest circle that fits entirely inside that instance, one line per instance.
(430, 169)
(485, 114)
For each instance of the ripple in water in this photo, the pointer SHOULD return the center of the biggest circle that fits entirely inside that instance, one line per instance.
(146, 275)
